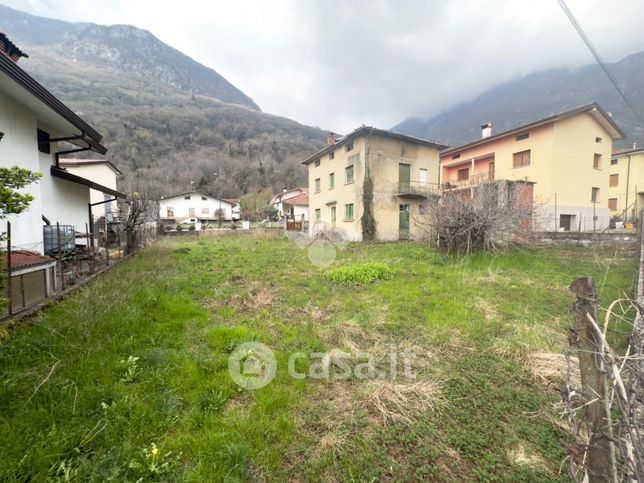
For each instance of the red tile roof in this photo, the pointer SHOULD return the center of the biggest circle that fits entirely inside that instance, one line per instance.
(25, 258)
(302, 199)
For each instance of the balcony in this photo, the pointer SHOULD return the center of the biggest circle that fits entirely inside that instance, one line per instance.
(474, 180)
(416, 189)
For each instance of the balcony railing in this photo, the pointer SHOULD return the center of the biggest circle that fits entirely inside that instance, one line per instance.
(473, 180)
(417, 189)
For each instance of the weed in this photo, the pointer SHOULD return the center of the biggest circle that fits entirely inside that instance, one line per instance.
(360, 273)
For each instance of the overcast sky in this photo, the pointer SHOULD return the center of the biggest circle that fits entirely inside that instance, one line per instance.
(338, 64)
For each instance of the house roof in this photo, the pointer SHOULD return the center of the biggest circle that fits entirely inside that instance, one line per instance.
(26, 89)
(280, 196)
(9, 48)
(370, 130)
(178, 195)
(25, 258)
(232, 201)
(87, 162)
(625, 151)
(593, 109)
(62, 173)
(302, 200)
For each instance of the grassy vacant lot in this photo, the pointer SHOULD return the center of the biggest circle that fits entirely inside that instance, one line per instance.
(128, 378)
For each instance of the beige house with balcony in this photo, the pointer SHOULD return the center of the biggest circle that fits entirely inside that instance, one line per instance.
(626, 183)
(404, 170)
(566, 155)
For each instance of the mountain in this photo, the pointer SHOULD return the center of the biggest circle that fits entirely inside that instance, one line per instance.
(170, 124)
(539, 95)
(122, 47)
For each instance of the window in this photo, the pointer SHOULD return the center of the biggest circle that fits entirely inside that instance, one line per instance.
(203, 198)
(598, 140)
(318, 214)
(348, 146)
(614, 180)
(348, 174)
(169, 212)
(521, 159)
(316, 163)
(523, 136)
(612, 204)
(613, 161)
(456, 156)
(331, 181)
(490, 171)
(463, 174)
(43, 142)
(594, 196)
(333, 210)
(186, 197)
(192, 212)
(332, 155)
(205, 210)
(317, 185)
(597, 161)
(348, 212)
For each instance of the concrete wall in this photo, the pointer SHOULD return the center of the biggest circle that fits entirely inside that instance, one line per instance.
(383, 156)
(204, 209)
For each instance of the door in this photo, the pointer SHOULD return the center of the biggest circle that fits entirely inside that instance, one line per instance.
(423, 177)
(565, 222)
(403, 222)
(333, 216)
(491, 171)
(404, 177)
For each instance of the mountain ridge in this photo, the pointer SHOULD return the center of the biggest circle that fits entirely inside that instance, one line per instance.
(538, 95)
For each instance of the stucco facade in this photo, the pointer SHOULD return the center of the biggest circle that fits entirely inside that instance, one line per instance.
(626, 184)
(567, 156)
(336, 182)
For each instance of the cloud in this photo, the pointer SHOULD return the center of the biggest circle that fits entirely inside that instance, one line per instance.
(338, 64)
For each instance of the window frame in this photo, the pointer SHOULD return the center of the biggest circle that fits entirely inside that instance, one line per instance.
(521, 156)
(332, 180)
(597, 161)
(349, 207)
(349, 146)
(594, 194)
(318, 214)
(614, 176)
(612, 201)
(317, 185)
(347, 170)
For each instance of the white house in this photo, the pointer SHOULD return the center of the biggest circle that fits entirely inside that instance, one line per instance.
(36, 128)
(196, 207)
(292, 204)
(100, 171)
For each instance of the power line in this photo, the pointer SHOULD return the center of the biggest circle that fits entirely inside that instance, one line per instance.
(598, 57)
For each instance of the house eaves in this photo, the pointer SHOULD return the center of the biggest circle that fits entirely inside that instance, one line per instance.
(61, 173)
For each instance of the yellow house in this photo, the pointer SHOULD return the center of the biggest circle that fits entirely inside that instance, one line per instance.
(404, 171)
(567, 157)
(626, 183)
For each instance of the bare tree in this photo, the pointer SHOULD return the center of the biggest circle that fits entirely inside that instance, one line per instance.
(138, 209)
(487, 216)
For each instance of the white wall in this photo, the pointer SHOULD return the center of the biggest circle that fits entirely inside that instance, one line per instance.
(181, 207)
(103, 175)
(19, 146)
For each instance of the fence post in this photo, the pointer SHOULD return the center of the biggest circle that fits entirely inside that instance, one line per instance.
(599, 462)
(9, 289)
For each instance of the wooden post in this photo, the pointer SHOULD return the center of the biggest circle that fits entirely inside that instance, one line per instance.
(9, 290)
(599, 464)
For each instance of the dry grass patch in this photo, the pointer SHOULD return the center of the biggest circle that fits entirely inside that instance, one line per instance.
(487, 309)
(551, 369)
(520, 456)
(402, 403)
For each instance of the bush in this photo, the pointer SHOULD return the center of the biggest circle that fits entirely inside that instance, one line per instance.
(360, 273)
(191, 228)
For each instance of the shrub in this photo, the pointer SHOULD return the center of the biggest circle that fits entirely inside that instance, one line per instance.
(360, 273)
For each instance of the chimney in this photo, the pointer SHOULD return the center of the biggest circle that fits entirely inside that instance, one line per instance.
(284, 189)
(486, 130)
(635, 145)
(330, 139)
(9, 49)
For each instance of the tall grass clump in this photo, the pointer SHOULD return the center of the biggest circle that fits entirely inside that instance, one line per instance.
(360, 273)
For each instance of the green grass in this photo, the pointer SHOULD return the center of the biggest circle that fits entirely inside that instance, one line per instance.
(128, 378)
